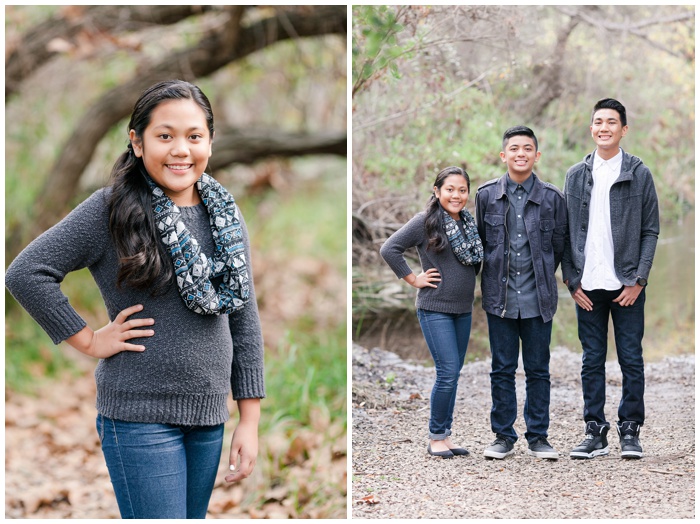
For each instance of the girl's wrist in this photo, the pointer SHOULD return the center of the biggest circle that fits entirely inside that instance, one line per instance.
(83, 341)
(249, 412)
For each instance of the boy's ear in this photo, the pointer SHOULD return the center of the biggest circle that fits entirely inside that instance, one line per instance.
(503, 157)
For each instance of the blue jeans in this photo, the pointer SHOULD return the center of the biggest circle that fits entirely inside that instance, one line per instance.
(447, 336)
(161, 471)
(505, 335)
(628, 325)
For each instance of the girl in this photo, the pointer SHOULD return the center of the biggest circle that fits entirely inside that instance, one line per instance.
(169, 251)
(448, 245)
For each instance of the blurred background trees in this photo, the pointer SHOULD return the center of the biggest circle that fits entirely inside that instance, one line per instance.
(276, 77)
(438, 86)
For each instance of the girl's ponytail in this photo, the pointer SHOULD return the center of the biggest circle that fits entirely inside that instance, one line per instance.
(434, 224)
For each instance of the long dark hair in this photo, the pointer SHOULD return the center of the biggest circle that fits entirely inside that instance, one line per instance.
(433, 210)
(143, 260)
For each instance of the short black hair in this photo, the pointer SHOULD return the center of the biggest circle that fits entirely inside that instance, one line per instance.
(518, 131)
(610, 103)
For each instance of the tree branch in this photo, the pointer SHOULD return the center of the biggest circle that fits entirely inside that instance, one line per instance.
(247, 146)
(633, 28)
(627, 26)
(33, 50)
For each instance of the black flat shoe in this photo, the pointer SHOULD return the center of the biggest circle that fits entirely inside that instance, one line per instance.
(444, 454)
(459, 451)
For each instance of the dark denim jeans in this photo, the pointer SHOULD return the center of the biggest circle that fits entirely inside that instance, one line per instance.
(505, 335)
(161, 471)
(628, 326)
(447, 336)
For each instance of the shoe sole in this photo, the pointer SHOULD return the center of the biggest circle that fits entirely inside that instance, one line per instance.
(496, 455)
(592, 454)
(552, 455)
(443, 454)
(631, 454)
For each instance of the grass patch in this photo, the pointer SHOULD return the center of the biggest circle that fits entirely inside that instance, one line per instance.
(30, 355)
(306, 379)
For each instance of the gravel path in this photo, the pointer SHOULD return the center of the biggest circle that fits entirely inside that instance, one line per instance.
(394, 477)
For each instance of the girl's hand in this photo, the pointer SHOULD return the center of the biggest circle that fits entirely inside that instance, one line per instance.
(112, 338)
(425, 279)
(244, 445)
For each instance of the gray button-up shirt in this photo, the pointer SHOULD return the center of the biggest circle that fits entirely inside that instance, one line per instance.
(522, 290)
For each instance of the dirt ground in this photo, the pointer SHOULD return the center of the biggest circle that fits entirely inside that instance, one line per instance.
(394, 477)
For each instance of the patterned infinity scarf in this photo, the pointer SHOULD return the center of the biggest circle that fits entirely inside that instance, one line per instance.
(193, 270)
(469, 251)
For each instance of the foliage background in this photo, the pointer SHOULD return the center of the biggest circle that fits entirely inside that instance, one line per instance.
(296, 214)
(437, 85)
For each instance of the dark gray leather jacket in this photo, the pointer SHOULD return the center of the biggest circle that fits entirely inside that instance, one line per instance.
(545, 224)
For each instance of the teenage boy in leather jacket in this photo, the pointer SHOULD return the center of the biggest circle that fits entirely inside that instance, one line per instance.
(522, 225)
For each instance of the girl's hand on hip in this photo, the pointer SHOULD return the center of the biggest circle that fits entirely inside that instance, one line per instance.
(426, 278)
(112, 338)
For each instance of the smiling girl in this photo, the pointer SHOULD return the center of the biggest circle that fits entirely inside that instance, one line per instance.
(450, 254)
(169, 251)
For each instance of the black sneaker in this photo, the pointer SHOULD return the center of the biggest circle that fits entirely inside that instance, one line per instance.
(629, 440)
(595, 444)
(500, 449)
(540, 448)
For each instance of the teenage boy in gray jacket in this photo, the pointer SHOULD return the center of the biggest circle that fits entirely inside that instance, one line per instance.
(522, 223)
(613, 218)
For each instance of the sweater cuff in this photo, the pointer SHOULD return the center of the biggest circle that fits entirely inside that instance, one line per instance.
(61, 324)
(247, 383)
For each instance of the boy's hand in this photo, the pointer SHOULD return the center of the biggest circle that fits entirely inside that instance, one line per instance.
(629, 295)
(582, 299)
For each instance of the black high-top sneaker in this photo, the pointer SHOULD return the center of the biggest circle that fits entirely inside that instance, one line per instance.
(629, 440)
(595, 443)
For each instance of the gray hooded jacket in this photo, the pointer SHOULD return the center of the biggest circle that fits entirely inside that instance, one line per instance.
(634, 217)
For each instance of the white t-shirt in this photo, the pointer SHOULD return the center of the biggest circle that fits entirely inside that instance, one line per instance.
(599, 268)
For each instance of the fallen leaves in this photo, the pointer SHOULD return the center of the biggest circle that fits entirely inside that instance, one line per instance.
(54, 467)
(369, 499)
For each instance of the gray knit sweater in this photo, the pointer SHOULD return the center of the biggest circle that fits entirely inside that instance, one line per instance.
(192, 361)
(455, 292)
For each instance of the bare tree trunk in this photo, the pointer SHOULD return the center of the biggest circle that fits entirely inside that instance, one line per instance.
(549, 80)
(213, 52)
